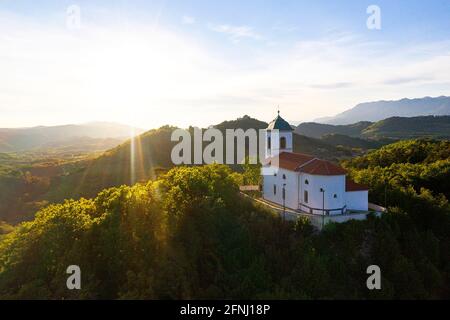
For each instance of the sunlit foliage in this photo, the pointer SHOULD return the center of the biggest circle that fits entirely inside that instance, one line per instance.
(190, 234)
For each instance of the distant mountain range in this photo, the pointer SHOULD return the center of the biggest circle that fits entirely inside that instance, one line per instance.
(103, 135)
(390, 128)
(379, 110)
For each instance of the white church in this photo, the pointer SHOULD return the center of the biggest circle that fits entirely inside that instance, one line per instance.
(305, 183)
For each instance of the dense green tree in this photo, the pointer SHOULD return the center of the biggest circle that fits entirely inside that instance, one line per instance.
(190, 234)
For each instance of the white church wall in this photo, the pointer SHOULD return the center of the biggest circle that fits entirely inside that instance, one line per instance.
(334, 187)
(275, 146)
(357, 200)
(291, 198)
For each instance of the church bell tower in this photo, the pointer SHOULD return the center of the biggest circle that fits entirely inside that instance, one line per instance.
(278, 137)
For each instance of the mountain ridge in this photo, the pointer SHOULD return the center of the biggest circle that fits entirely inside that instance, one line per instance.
(378, 110)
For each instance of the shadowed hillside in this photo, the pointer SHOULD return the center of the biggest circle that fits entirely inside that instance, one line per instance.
(336, 139)
(409, 128)
(387, 129)
(317, 130)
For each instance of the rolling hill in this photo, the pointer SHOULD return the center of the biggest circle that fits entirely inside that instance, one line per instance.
(317, 130)
(390, 128)
(152, 156)
(245, 123)
(81, 136)
(408, 128)
(379, 110)
(336, 139)
(26, 189)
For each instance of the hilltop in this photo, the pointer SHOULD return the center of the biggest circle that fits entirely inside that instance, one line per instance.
(245, 123)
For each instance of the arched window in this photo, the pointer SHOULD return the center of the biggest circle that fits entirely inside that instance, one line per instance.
(268, 143)
(335, 196)
(283, 143)
(284, 176)
(274, 189)
(306, 181)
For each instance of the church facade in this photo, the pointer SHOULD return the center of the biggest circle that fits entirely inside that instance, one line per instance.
(303, 182)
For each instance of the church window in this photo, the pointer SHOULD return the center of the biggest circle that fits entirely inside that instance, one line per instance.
(305, 196)
(268, 143)
(335, 196)
(306, 181)
(282, 143)
(274, 189)
(284, 176)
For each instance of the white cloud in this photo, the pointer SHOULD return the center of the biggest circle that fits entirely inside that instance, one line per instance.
(188, 20)
(236, 32)
(148, 77)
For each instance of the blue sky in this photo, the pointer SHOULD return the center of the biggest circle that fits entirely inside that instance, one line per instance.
(149, 63)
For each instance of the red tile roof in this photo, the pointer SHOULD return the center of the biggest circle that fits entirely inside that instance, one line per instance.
(308, 164)
(351, 185)
(291, 161)
(322, 168)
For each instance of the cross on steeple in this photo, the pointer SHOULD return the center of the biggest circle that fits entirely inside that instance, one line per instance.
(278, 110)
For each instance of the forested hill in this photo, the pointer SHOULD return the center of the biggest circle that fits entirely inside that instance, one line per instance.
(409, 128)
(390, 128)
(190, 235)
(412, 175)
(244, 123)
(317, 130)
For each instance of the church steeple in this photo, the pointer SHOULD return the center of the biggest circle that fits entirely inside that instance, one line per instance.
(278, 137)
